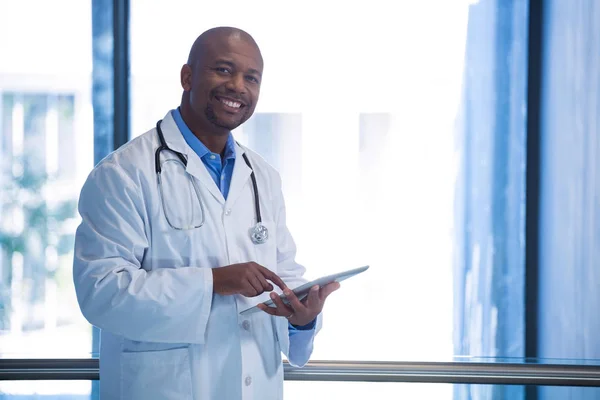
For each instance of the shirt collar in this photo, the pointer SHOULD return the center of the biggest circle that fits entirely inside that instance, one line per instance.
(199, 148)
(229, 152)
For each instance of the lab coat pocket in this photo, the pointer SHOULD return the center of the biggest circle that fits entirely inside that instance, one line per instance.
(164, 374)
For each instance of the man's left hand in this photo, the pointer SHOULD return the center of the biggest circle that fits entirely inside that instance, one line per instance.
(301, 313)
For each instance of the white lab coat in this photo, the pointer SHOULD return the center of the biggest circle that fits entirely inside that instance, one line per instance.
(165, 334)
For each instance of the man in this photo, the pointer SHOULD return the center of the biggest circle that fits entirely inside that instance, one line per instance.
(166, 256)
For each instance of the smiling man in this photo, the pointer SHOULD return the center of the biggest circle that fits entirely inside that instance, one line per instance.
(221, 83)
(182, 229)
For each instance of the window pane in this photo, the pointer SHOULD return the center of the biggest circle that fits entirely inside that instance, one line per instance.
(399, 132)
(382, 390)
(46, 390)
(46, 152)
(569, 237)
(360, 116)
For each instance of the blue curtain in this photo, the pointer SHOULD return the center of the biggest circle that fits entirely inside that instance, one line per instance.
(490, 208)
(569, 271)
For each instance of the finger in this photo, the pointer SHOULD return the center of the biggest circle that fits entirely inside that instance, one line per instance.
(328, 289)
(254, 285)
(313, 300)
(294, 302)
(272, 276)
(265, 286)
(267, 309)
(282, 309)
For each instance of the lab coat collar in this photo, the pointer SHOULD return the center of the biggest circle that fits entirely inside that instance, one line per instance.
(241, 173)
(240, 176)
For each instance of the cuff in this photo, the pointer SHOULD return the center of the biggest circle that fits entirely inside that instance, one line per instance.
(311, 325)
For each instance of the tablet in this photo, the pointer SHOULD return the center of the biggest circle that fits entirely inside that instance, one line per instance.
(302, 291)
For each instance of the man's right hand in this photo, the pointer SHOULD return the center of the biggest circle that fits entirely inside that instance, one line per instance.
(248, 279)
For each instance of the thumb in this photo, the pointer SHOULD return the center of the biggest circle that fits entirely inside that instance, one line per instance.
(328, 289)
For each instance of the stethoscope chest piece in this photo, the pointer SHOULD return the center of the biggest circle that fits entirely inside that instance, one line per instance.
(259, 234)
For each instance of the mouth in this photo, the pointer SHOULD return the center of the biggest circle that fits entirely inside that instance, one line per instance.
(229, 104)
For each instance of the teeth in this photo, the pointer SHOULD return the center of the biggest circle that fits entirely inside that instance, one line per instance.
(232, 104)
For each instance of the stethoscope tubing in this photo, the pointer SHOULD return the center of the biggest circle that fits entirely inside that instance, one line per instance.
(164, 147)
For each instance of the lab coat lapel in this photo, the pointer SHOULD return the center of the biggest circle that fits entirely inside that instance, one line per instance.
(195, 167)
(240, 177)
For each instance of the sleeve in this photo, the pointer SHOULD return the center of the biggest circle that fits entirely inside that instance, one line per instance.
(114, 292)
(292, 273)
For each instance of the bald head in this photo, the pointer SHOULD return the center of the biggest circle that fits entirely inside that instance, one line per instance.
(215, 37)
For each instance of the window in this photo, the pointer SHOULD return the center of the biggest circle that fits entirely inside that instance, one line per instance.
(400, 134)
(46, 148)
(376, 122)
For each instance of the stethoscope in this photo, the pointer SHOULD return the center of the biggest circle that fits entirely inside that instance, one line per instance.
(259, 233)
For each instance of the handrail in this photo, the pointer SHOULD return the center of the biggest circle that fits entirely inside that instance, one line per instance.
(449, 372)
(14, 369)
(346, 371)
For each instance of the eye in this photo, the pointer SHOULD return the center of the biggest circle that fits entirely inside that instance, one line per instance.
(223, 70)
(252, 79)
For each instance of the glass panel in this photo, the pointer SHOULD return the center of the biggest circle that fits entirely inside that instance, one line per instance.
(80, 390)
(360, 116)
(45, 390)
(298, 390)
(46, 152)
(569, 262)
(574, 393)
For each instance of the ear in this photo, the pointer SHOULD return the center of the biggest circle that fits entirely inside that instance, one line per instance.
(186, 77)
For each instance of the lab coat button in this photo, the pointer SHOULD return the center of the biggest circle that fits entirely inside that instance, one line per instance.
(246, 325)
(248, 381)
(228, 211)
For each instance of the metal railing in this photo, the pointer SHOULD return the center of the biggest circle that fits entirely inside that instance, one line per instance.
(424, 372)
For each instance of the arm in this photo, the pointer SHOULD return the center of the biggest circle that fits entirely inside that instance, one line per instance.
(113, 290)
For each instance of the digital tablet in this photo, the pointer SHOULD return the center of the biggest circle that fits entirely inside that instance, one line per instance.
(302, 291)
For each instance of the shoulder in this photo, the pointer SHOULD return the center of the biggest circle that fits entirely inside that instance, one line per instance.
(261, 166)
(130, 161)
(120, 182)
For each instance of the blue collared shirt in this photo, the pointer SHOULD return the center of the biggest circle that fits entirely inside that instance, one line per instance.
(220, 170)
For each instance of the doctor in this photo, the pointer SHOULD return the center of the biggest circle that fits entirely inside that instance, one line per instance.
(182, 228)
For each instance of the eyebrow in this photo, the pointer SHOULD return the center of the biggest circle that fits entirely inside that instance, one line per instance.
(232, 65)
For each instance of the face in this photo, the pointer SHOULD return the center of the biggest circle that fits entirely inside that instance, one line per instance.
(224, 83)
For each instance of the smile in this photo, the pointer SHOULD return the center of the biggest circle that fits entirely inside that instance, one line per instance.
(236, 105)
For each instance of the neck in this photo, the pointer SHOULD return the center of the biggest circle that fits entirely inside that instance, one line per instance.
(214, 139)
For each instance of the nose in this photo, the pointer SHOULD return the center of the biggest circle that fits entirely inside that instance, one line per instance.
(236, 83)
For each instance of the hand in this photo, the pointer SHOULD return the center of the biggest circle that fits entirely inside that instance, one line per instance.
(248, 279)
(303, 312)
